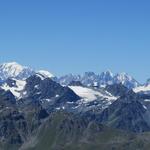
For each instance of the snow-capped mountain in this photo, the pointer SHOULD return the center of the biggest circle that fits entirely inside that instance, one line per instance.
(89, 79)
(101, 80)
(17, 71)
(14, 70)
(67, 79)
(37, 85)
(125, 80)
(106, 78)
(13, 77)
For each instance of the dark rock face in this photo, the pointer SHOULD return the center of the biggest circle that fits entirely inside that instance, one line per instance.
(126, 113)
(105, 78)
(117, 89)
(11, 82)
(13, 126)
(47, 89)
(18, 121)
(6, 98)
(75, 83)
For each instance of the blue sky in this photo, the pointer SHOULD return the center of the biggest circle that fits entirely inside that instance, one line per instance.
(76, 36)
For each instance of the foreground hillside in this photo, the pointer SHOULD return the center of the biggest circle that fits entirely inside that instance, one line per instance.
(63, 131)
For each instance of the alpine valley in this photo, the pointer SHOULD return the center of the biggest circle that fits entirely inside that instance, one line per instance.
(39, 111)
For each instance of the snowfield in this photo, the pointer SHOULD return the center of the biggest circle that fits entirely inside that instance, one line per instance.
(142, 89)
(89, 94)
(16, 90)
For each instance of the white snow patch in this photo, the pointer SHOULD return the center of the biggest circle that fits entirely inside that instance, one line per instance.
(25, 92)
(147, 100)
(89, 94)
(142, 89)
(36, 86)
(144, 107)
(45, 73)
(16, 90)
(57, 95)
(48, 100)
(63, 108)
(40, 76)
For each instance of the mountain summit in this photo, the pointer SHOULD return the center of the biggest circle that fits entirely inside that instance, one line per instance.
(15, 70)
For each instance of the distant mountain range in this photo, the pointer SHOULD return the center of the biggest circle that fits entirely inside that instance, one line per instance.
(17, 71)
(103, 79)
(41, 111)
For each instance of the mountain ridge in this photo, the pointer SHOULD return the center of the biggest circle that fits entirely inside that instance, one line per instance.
(37, 111)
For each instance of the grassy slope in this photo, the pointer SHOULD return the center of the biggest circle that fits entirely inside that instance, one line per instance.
(57, 133)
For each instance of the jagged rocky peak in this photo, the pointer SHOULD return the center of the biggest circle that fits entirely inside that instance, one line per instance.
(66, 79)
(126, 80)
(42, 88)
(107, 73)
(75, 83)
(89, 74)
(102, 80)
(117, 89)
(122, 77)
(106, 78)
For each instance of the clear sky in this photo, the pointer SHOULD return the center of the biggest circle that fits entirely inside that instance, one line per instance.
(74, 36)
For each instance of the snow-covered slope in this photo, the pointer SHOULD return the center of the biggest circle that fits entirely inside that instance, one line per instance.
(45, 73)
(15, 86)
(14, 70)
(13, 77)
(142, 89)
(89, 94)
(92, 98)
